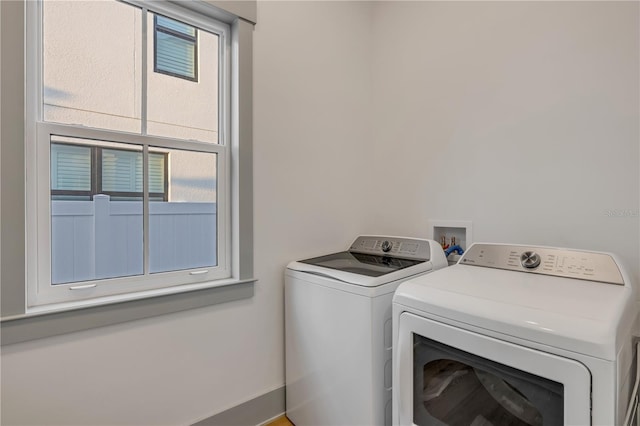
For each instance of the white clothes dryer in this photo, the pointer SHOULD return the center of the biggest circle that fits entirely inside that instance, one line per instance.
(338, 329)
(515, 335)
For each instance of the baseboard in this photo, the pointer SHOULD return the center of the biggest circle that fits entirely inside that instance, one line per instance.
(254, 412)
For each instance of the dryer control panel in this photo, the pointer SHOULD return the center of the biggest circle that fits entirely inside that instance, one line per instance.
(585, 265)
(408, 248)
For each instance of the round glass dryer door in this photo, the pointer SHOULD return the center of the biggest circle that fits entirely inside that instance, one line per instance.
(453, 387)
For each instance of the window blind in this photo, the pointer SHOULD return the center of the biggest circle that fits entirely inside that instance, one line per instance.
(175, 48)
(70, 167)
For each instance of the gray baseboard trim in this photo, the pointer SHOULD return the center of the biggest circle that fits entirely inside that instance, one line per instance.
(251, 413)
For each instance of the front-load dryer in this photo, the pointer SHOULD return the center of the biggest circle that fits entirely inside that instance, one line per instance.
(338, 329)
(515, 335)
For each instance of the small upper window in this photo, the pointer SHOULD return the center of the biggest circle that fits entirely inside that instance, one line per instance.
(176, 48)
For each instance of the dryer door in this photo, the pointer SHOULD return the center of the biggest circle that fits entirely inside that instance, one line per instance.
(450, 376)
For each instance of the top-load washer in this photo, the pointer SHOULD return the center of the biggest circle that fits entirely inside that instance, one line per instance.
(338, 329)
(515, 335)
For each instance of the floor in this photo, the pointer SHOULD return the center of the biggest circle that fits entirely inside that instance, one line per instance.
(280, 421)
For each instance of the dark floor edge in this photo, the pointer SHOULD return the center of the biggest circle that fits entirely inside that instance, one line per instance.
(251, 413)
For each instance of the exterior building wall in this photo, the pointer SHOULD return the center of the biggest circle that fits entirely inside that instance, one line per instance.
(180, 108)
(95, 80)
(82, 87)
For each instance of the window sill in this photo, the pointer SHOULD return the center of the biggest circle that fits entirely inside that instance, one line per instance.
(67, 318)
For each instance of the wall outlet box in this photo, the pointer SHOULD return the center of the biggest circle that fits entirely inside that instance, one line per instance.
(444, 230)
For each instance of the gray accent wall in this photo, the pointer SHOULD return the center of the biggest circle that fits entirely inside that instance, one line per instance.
(246, 10)
(12, 173)
(243, 160)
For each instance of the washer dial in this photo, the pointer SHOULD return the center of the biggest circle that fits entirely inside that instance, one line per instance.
(530, 259)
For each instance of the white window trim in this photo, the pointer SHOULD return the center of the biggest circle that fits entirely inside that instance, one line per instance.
(40, 298)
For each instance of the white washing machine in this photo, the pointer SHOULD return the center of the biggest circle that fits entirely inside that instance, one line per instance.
(338, 329)
(515, 335)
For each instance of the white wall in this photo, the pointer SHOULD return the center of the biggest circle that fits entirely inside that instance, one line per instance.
(312, 112)
(376, 118)
(522, 117)
(311, 123)
(103, 90)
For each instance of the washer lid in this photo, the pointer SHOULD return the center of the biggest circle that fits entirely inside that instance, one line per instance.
(374, 260)
(360, 269)
(586, 317)
(370, 265)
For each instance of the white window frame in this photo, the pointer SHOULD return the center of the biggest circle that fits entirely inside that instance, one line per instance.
(41, 295)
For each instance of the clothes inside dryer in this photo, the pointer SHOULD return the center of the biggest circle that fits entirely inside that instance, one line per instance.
(453, 387)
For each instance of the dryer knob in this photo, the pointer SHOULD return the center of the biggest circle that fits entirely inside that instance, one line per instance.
(530, 259)
(386, 246)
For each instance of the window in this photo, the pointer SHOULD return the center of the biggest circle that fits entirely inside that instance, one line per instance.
(79, 171)
(133, 184)
(176, 48)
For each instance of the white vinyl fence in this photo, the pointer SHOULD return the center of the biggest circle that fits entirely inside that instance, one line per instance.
(103, 238)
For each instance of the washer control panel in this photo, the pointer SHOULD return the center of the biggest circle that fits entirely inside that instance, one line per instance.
(408, 248)
(585, 265)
